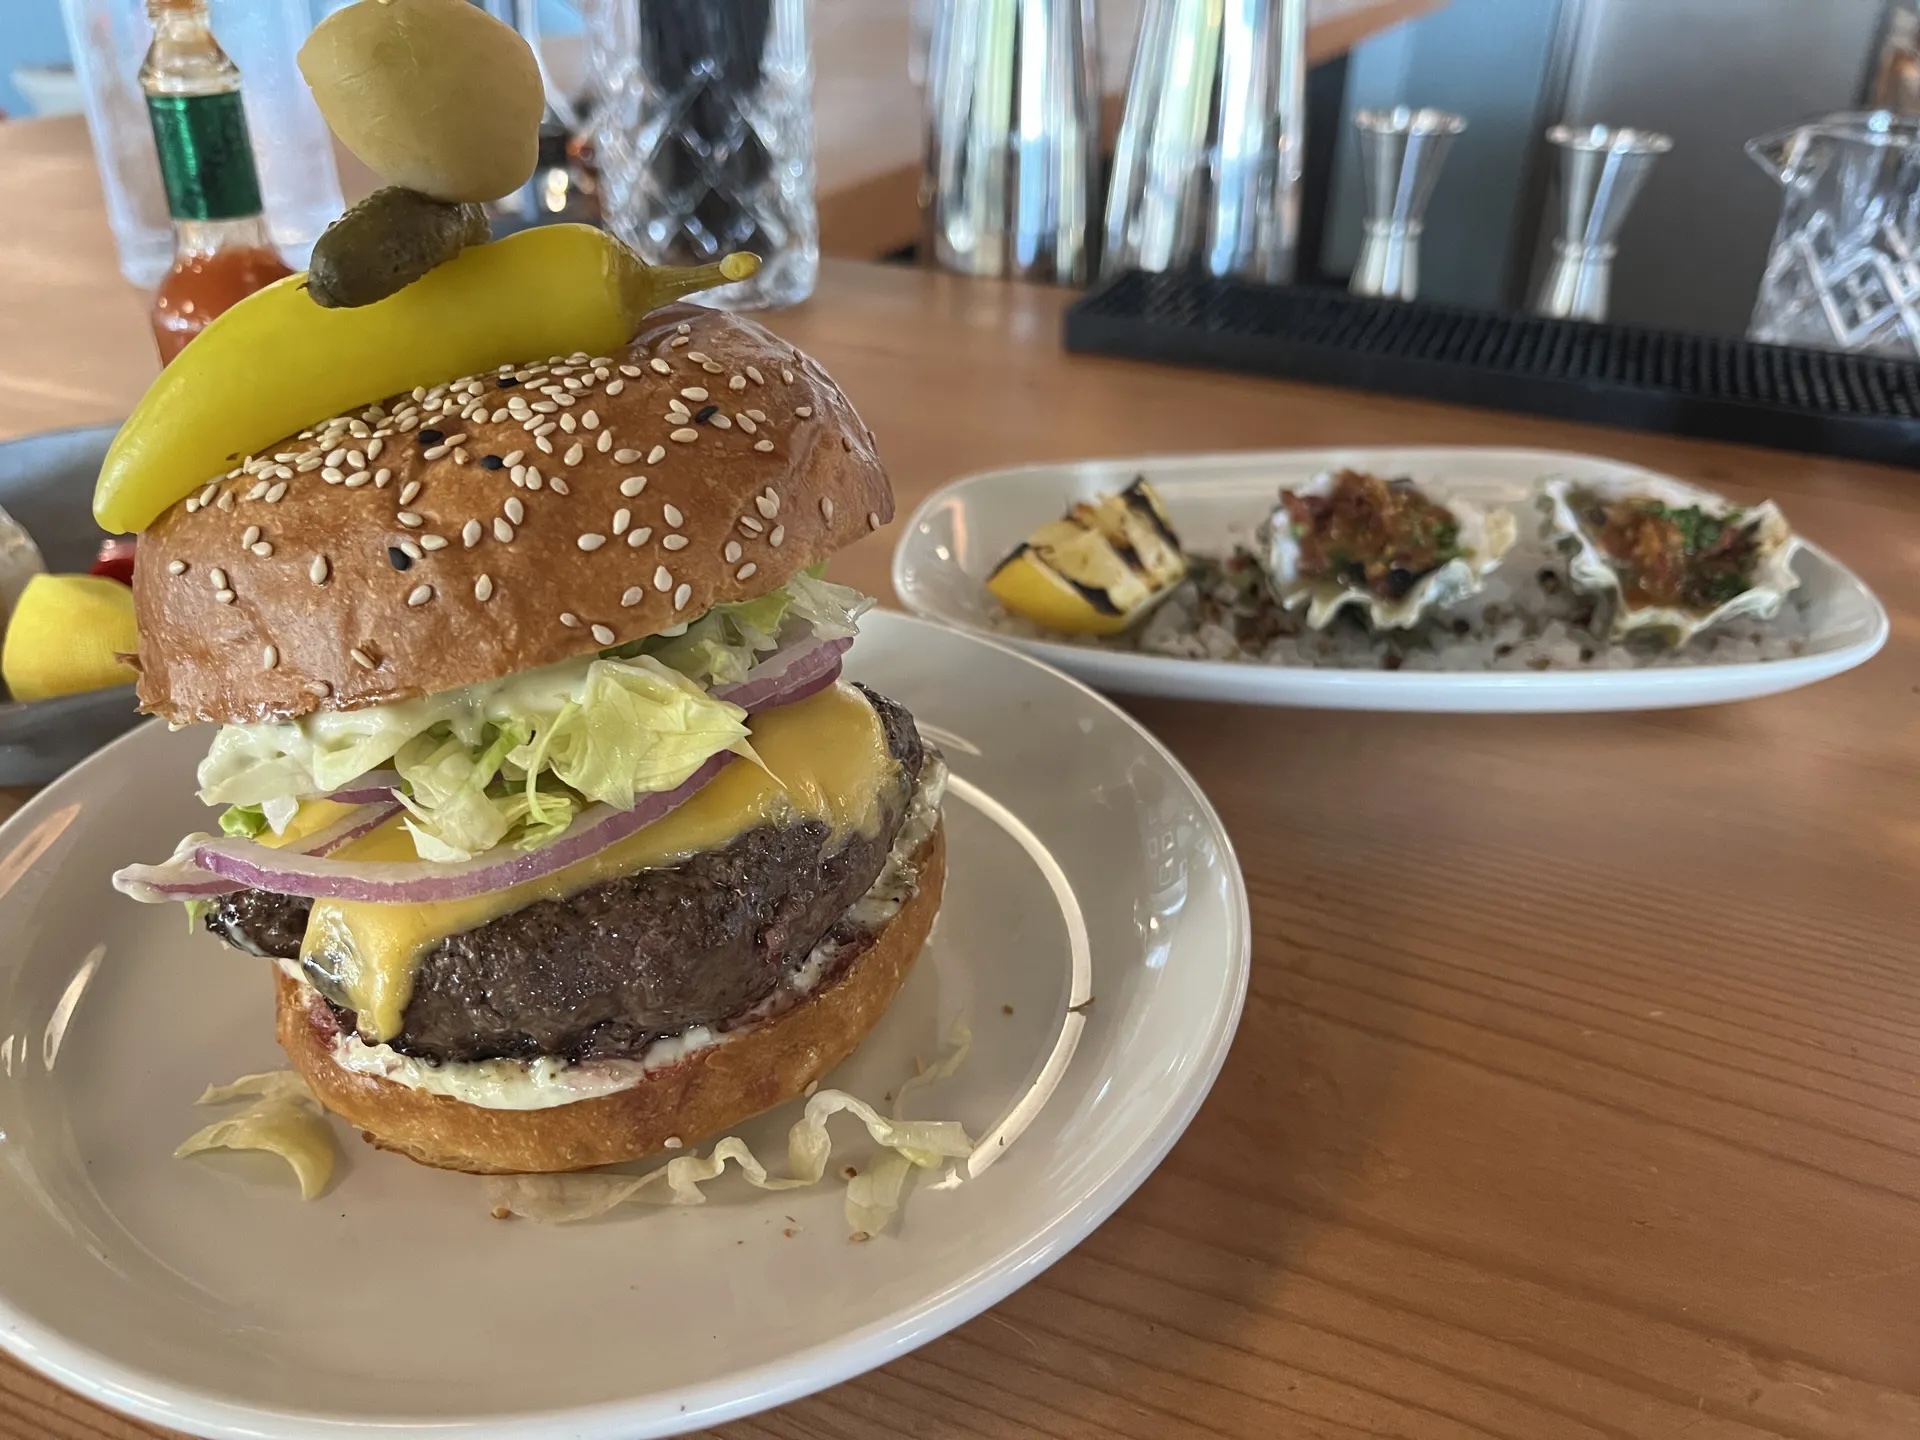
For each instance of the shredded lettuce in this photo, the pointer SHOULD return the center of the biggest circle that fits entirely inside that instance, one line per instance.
(245, 821)
(512, 761)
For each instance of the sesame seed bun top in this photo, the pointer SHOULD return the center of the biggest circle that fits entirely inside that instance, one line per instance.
(503, 522)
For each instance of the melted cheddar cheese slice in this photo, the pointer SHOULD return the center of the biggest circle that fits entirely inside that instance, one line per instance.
(825, 759)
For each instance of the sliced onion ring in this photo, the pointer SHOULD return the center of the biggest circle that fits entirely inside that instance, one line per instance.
(183, 878)
(368, 789)
(422, 882)
(791, 673)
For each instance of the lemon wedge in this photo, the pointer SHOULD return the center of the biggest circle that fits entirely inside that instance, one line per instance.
(1096, 571)
(63, 636)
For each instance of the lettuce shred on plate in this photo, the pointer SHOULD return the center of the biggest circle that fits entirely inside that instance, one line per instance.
(873, 1197)
(284, 1119)
(512, 761)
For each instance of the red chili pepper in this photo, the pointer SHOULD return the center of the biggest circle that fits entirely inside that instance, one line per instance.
(115, 560)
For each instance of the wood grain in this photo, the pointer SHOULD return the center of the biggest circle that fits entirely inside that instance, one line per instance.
(1578, 1092)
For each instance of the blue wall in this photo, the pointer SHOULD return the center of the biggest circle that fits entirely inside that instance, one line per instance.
(32, 35)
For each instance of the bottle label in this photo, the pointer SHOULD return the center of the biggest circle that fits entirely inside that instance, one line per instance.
(206, 158)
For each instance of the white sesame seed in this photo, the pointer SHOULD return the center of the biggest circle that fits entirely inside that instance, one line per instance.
(319, 688)
(737, 382)
(779, 534)
(470, 533)
(206, 495)
(357, 479)
(435, 452)
(337, 455)
(786, 375)
(307, 464)
(614, 387)
(589, 420)
(361, 658)
(410, 520)
(681, 596)
(625, 457)
(711, 368)
(591, 541)
(411, 550)
(534, 482)
(662, 579)
(763, 445)
(176, 567)
(684, 327)
(672, 1142)
(685, 435)
(695, 392)
(381, 478)
(805, 412)
(544, 407)
(605, 442)
(753, 374)
(317, 571)
(250, 534)
(459, 439)
(745, 422)
(225, 597)
(622, 518)
(374, 447)
(502, 531)
(575, 454)
(420, 594)
(678, 341)
(356, 460)
(498, 416)
(826, 508)
(262, 548)
(637, 538)
(331, 475)
(656, 454)
(759, 415)
(676, 410)
(751, 525)
(558, 486)
(483, 589)
(408, 491)
(433, 542)
(671, 514)
(568, 423)
(569, 619)
(217, 578)
(602, 634)
(660, 367)
(873, 521)
(731, 552)
(516, 512)
(767, 502)
(720, 422)
(674, 542)
(193, 504)
(632, 596)
(544, 445)
(269, 657)
(745, 572)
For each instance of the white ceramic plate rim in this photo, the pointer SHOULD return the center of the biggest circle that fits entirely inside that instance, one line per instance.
(1387, 690)
(150, 1397)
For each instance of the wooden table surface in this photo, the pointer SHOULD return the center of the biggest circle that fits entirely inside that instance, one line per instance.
(1578, 1093)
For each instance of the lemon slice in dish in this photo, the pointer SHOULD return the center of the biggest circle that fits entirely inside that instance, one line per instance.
(1098, 570)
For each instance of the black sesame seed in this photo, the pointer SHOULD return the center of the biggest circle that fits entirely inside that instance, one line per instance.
(507, 382)
(429, 437)
(491, 462)
(705, 413)
(398, 557)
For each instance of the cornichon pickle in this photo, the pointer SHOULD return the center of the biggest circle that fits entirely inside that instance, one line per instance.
(435, 95)
(386, 242)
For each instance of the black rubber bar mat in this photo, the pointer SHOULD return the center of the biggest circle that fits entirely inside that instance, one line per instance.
(1858, 406)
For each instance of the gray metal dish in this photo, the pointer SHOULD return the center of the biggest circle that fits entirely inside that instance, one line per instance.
(46, 483)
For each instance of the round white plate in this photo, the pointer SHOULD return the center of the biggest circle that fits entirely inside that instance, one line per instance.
(954, 540)
(203, 1294)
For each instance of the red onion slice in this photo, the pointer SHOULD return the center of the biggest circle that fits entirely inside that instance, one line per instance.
(183, 878)
(421, 882)
(791, 673)
(368, 789)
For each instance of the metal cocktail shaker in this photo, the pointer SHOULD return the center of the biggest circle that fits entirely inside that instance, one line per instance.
(1206, 171)
(1012, 138)
(1401, 152)
(1601, 171)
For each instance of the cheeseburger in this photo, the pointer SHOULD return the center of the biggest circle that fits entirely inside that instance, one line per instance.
(539, 787)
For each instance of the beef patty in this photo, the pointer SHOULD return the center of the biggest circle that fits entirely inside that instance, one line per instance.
(604, 972)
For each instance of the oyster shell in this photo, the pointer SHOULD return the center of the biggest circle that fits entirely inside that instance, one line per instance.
(1484, 537)
(1592, 572)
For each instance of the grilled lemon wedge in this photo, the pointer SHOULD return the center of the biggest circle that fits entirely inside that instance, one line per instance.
(1096, 571)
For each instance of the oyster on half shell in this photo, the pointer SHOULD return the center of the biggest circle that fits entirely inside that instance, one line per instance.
(1463, 542)
(1743, 555)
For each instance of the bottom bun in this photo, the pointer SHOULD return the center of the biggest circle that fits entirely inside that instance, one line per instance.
(692, 1098)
